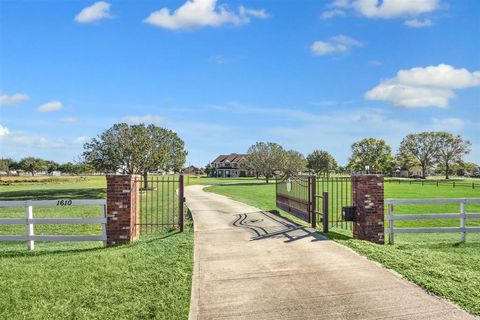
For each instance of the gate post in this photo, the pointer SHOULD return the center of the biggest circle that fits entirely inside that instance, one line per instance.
(181, 200)
(368, 198)
(313, 201)
(123, 208)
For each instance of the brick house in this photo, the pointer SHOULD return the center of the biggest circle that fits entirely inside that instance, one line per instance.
(231, 165)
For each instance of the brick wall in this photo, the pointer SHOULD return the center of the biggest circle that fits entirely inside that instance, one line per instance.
(368, 197)
(123, 208)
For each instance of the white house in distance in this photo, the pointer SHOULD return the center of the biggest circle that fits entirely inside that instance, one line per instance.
(230, 165)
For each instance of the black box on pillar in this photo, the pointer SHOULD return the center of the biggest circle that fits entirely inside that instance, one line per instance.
(349, 213)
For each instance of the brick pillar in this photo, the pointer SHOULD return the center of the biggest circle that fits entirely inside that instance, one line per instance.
(123, 208)
(368, 197)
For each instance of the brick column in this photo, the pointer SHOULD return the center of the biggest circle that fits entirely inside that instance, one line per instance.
(368, 197)
(123, 208)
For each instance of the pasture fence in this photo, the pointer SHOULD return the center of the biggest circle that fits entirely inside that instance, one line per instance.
(391, 217)
(29, 221)
(437, 183)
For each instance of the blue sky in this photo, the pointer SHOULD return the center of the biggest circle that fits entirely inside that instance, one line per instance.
(225, 74)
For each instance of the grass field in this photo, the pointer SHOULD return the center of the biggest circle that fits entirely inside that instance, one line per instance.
(148, 279)
(437, 262)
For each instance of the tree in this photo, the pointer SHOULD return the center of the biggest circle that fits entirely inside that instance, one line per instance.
(371, 152)
(406, 161)
(451, 148)
(265, 158)
(321, 162)
(136, 149)
(7, 165)
(292, 163)
(32, 165)
(51, 166)
(423, 147)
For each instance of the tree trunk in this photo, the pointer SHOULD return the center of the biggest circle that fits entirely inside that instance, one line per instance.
(447, 168)
(266, 179)
(423, 171)
(145, 180)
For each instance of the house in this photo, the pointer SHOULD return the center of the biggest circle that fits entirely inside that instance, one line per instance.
(412, 172)
(192, 170)
(230, 165)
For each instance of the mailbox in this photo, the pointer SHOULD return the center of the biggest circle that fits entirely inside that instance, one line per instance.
(349, 213)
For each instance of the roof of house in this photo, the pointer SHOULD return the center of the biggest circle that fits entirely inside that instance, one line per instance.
(233, 157)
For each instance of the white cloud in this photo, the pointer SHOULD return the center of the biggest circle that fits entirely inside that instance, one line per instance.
(431, 86)
(202, 13)
(388, 9)
(6, 100)
(69, 120)
(448, 124)
(81, 140)
(416, 23)
(97, 11)
(337, 44)
(4, 131)
(332, 13)
(144, 119)
(50, 106)
(385, 9)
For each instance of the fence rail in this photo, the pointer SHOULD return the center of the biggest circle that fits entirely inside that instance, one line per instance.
(391, 217)
(29, 221)
(438, 183)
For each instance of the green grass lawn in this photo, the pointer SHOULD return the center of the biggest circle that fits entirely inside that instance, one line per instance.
(148, 279)
(437, 262)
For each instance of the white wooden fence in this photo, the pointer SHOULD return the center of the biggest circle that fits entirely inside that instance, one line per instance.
(391, 217)
(29, 221)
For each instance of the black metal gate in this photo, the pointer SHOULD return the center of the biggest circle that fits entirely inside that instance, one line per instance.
(316, 199)
(337, 193)
(161, 203)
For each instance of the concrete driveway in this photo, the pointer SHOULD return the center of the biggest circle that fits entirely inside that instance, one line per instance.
(254, 265)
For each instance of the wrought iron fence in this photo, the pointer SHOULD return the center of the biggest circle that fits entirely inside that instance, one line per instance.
(338, 194)
(161, 203)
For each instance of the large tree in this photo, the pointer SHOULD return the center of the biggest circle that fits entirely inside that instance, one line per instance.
(136, 149)
(371, 152)
(293, 162)
(7, 165)
(451, 149)
(423, 147)
(321, 162)
(265, 158)
(32, 165)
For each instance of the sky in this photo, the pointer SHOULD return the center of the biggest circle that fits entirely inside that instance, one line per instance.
(225, 74)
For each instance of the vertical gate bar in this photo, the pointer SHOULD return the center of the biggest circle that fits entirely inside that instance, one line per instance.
(176, 181)
(314, 202)
(156, 200)
(150, 186)
(163, 202)
(145, 206)
(168, 199)
(325, 211)
(342, 203)
(29, 215)
(336, 201)
(181, 200)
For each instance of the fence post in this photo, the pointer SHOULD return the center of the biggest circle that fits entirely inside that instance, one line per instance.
(463, 213)
(181, 199)
(103, 213)
(391, 235)
(29, 215)
(313, 201)
(325, 211)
